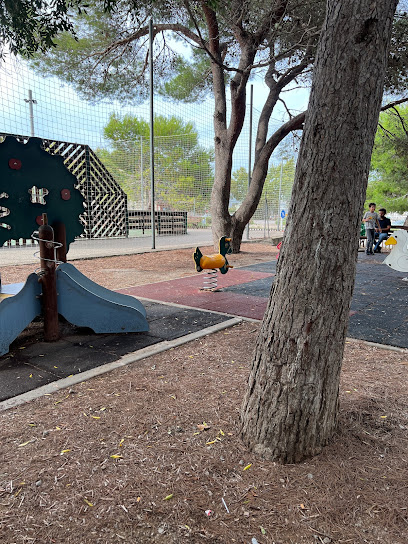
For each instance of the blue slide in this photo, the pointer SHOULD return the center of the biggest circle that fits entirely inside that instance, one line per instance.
(86, 304)
(19, 305)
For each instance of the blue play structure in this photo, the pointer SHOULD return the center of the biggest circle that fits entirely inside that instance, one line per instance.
(37, 185)
(19, 305)
(82, 301)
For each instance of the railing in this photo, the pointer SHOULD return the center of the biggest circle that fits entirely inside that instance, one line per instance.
(170, 223)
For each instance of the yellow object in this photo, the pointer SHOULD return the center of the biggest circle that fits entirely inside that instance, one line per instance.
(4, 295)
(398, 257)
(212, 261)
(391, 241)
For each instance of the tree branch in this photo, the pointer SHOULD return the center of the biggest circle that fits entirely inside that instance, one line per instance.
(394, 103)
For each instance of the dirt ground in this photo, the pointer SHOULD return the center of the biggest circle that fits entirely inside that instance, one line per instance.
(151, 453)
(138, 269)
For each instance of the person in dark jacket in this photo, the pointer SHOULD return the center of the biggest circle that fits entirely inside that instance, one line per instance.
(385, 225)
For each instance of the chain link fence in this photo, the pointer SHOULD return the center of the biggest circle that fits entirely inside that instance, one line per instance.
(107, 146)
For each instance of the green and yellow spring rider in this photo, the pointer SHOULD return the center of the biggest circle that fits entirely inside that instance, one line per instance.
(211, 263)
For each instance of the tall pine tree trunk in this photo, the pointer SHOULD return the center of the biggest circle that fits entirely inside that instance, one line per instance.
(290, 407)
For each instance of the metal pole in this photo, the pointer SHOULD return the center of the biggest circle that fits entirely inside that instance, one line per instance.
(265, 211)
(152, 133)
(250, 146)
(280, 192)
(141, 170)
(267, 214)
(30, 107)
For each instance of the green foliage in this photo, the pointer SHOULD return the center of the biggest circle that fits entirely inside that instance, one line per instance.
(183, 168)
(388, 185)
(27, 26)
(72, 60)
(278, 184)
(108, 57)
(192, 80)
(239, 184)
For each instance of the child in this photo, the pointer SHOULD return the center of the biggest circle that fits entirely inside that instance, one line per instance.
(371, 220)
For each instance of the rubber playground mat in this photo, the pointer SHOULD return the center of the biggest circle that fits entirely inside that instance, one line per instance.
(379, 309)
(32, 363)
(175, 308)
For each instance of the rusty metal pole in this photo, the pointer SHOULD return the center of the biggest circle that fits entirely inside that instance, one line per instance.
(48, 281)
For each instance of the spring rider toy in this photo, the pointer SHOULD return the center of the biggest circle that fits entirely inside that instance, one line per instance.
(38, 193)
(210, 263)
(398, 258)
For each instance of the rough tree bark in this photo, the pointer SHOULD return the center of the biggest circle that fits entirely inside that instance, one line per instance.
(290, 408)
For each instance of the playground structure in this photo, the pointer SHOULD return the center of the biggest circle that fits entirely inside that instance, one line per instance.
(40, 193)
(398, 258)
(210, 263)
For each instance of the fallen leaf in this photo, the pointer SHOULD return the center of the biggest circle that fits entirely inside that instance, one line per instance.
(87, 502)
(59, 401)
(168, 497)
(247, 467)
(203, 427)
(116, 456)
(28, 442)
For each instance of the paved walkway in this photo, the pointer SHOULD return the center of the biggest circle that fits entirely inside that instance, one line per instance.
(176, 308)
(108, 247)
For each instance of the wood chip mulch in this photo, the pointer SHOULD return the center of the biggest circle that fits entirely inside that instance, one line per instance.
(151, 453)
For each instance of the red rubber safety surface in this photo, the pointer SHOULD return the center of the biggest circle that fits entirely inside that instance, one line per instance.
(187, 292)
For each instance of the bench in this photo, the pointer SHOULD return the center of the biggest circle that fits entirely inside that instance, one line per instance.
(362, 239)
(166, 223)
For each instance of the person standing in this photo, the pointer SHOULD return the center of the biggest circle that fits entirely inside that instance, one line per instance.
(371, 220)
(385, 225)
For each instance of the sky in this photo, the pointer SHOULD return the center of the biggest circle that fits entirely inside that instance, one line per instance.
(60, 114)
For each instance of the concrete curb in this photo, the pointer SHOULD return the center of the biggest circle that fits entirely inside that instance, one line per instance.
(123, 361)
(378, 346)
